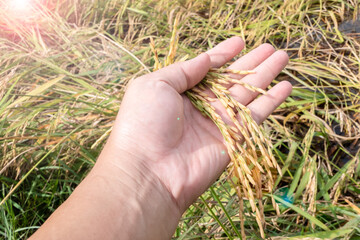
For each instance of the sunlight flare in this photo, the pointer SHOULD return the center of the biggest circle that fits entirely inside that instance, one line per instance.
(20, 6)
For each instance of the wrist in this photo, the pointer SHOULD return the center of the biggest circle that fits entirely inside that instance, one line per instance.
(118, 199)
(145, 207)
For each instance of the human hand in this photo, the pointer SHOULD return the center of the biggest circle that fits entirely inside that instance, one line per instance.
(160, 127)
(162, 153)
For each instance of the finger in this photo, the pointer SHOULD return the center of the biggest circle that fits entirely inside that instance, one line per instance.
(251, 60)
(247, 62)
(222, 53)
(262, 107)
(183, 75)
(265, 73)
(225, 51)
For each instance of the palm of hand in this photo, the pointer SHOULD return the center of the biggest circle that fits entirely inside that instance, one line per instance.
(178, 140)
(181, 147)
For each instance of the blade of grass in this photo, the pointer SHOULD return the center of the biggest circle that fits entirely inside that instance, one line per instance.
(302, 213)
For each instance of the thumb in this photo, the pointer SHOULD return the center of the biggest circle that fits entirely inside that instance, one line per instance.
(184, 75)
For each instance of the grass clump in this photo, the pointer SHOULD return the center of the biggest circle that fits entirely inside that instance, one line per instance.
(61, 83)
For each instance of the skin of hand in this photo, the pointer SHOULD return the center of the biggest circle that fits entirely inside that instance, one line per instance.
(162, 153)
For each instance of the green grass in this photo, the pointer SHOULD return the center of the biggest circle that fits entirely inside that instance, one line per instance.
(61, 84)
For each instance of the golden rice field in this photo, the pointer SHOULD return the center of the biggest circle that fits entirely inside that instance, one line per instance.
(64, 67)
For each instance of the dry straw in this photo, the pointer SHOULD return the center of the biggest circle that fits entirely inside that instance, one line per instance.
(249, 149)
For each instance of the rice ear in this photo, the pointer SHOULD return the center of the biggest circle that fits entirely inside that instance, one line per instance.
(246, 142)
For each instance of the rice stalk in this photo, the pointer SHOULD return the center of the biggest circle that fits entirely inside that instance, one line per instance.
(248, 147)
